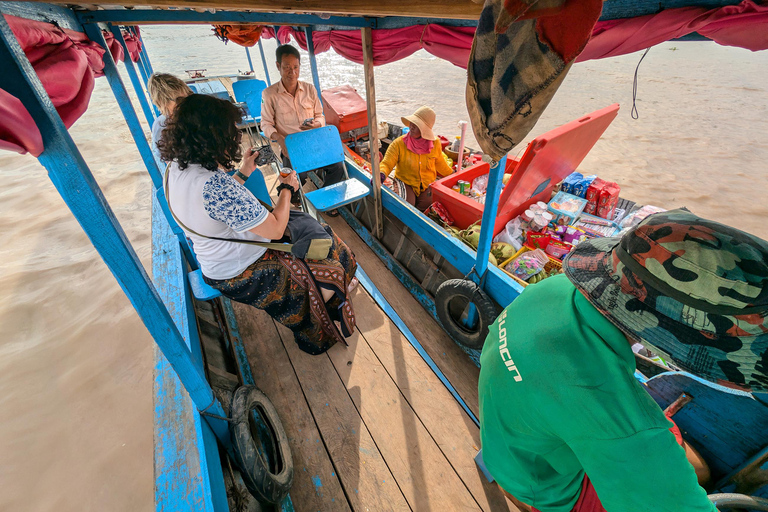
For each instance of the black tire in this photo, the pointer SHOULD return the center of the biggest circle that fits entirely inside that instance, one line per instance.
(264, 484)
(451, 298)
(728, 501)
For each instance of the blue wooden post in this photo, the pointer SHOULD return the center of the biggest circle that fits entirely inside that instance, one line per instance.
(313, 62)
(489, 217)
(121, 95)
(76, 185)
(248, 54)
(93, 31)
(264, 63)
(145, 65)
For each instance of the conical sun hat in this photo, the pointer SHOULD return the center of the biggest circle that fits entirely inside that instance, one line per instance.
(424, 118)
(692, 289)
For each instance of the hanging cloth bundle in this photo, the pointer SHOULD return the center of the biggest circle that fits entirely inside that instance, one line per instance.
(240, 33)
(518, 60)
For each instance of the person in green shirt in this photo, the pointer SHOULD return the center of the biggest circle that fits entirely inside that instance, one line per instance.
(564, 424)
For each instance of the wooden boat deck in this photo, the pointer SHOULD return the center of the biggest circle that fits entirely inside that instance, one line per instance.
(370, 425)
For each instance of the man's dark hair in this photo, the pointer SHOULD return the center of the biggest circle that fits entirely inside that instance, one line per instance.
(286, 49)
(202, 130)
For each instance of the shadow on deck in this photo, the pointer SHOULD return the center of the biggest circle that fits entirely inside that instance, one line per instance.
(370, 425)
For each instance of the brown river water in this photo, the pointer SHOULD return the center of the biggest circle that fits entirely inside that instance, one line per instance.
(75, 360)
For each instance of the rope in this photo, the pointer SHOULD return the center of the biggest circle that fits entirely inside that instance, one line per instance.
(205, 412)
(634, 113)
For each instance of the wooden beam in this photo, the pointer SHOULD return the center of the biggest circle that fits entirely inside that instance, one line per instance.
(452, 9)
(373, 130)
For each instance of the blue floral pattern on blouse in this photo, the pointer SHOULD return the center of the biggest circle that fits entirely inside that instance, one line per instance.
(229, 202)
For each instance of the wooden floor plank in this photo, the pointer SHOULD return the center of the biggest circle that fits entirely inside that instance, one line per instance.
(420, 469)
(451, 360)
(316, 486)
(363, 473)
(455, 433)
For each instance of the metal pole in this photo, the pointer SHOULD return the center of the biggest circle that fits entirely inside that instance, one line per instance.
(248, 54)
(489, 216)
(121, 95)
(313, 62)
(276, 28)
(264, 63)
(77, 186)
(373, 132)
(144, 52)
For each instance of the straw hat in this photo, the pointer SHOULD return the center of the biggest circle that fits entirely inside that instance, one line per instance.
(686, 287)
(424, 118)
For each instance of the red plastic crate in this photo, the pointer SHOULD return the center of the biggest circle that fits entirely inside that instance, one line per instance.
(547, 160)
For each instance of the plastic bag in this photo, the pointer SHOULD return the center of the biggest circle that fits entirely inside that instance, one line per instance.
(480, 184)
(634, 218)
(512, 234)
(528, 264)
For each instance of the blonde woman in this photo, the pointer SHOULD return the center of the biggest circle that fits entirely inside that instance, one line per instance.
(164, 90)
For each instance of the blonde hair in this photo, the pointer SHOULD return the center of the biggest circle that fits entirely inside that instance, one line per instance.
(164, 88)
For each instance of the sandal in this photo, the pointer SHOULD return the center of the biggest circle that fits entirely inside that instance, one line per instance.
(332, 213)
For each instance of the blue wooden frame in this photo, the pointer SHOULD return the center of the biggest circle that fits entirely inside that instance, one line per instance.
(138, 88)
(264, 63)
(313, 63)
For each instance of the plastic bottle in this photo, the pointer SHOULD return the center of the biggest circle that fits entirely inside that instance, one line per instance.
(456, 144)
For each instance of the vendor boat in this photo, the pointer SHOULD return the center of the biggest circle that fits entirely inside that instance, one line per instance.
(244, 420)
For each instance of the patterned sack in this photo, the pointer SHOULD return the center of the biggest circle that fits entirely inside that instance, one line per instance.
(517, 64)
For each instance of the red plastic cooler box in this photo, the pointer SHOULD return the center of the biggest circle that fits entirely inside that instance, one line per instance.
(345, 109)
(547, 160)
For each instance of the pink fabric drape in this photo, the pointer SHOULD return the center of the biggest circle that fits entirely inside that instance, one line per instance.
(744, 25)
(67, 63)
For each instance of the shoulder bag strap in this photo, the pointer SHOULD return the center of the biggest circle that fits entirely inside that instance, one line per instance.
(266, 245)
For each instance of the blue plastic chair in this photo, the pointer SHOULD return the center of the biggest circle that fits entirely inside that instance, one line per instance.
(312, 149)
(249, 92)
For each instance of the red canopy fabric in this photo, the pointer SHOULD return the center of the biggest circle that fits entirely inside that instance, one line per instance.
(744, 25)
(67, 63)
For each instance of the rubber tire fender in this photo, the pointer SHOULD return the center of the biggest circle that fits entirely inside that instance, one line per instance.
(738, 502)
(264, 485)
(469, 291)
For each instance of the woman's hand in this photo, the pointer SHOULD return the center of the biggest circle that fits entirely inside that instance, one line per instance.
(291, 180)
(248, 165)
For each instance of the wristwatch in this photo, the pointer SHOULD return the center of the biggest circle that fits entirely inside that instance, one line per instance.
(241, 176)
(285, 186)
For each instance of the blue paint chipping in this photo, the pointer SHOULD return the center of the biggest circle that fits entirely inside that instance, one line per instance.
(316, 481)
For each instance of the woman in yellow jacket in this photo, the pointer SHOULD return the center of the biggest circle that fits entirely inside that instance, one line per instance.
(417, 158)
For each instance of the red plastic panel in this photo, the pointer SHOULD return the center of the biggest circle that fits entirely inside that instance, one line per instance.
(345, 108)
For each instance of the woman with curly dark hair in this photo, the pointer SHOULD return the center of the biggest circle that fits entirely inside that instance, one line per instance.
(201, 140)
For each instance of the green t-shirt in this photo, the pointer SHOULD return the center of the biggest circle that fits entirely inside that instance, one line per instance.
(558, 399)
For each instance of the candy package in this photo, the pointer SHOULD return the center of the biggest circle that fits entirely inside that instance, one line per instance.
(570, 182)
(528, 264)
(565, 208)
(581, 187)
(596, 226)
(609, 197)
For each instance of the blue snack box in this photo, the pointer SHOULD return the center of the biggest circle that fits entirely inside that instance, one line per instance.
(581, 186)
(570, 181)
(566, 208)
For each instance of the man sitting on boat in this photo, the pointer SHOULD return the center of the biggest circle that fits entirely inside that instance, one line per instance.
(290, 106)
(229, 227)
(417, 158)
(565, 425)
(164, 90)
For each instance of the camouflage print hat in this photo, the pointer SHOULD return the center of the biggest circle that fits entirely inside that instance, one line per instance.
(689, 288)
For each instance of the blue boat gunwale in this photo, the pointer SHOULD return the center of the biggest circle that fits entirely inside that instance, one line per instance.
(161, 314)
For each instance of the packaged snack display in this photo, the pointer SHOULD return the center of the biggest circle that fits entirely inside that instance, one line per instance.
(596, 226)
(565, 208)
(558, 249)
(609, 196)
(593, 195)
(634, 218)
(570, 182)
(581, 187)
(528, 264)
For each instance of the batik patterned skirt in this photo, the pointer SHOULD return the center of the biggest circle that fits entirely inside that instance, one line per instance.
(288, 289)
